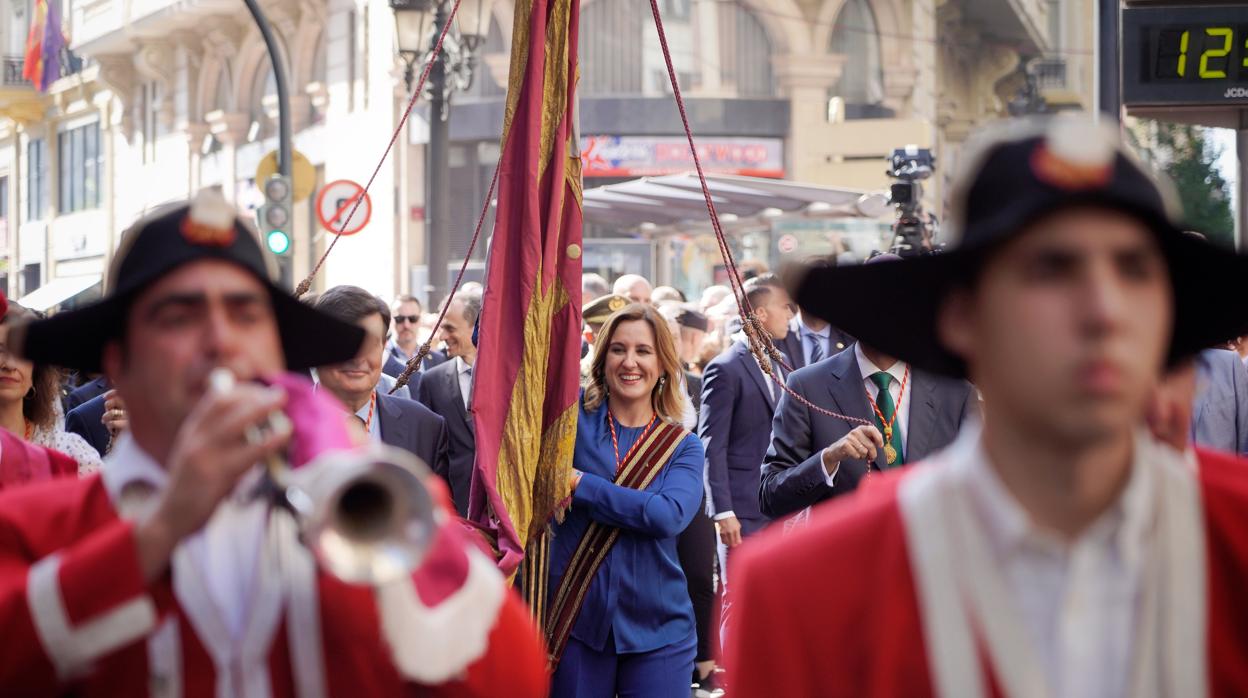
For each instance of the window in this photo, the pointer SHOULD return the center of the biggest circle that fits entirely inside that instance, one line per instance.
(611, 41)
(4, 215)
(262, 89)
(36, 179)
(862, 80)
(150, 96)
(744, 52)
(1055, 24)
(79, 168)
(352, 59)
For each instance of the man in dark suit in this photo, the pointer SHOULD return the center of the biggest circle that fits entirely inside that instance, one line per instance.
(814, 457)
(404, 343)
(447, 390)
(85, 392)
(738, 402)
(393, 421)
(87, 421)
(811, 340)
(1220, 410)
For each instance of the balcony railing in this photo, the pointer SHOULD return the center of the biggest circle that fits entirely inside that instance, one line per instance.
(13, 72)
(1050, 73)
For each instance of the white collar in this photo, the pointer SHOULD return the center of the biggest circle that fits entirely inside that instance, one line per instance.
(128, 464)
(1126, 524)
(868, 369)
(461, 366)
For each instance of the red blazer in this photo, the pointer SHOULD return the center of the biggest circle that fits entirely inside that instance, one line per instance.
(832, 610)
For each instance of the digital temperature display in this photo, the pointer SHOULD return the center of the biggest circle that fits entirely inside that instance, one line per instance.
(1185, 55)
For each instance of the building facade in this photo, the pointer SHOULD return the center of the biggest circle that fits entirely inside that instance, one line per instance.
(173, 96)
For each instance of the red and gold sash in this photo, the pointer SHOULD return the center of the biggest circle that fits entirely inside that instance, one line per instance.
(637, 473)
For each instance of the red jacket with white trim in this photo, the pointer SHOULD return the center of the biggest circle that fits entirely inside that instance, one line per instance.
(865, 636)
(78, 619)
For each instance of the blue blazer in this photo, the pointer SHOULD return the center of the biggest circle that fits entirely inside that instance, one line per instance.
(735, 426)
(84, 393)
(1220, 410)
(87, 421)
(639, 594)
(793, 475)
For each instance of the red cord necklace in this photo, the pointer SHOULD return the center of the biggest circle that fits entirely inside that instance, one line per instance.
(615, 440)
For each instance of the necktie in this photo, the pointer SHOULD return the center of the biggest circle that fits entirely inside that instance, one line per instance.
(888, 425)
(468, 388)
(816, 349)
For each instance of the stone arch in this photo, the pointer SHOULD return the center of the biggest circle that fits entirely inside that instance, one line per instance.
(783, 21)
(304, 45)
(889, 21)
(214, 71)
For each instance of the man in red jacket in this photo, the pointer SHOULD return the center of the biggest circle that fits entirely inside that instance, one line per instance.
(1059, 549)
(167, 575)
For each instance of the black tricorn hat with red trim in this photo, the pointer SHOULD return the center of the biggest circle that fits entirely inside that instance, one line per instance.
(173, 235)
(1018, 173)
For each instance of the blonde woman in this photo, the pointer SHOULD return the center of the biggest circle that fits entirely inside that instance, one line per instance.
(619, 617)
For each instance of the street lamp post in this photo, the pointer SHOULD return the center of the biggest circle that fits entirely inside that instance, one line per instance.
(452, 70)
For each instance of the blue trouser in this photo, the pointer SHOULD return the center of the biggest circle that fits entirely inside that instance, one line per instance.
(584, 672)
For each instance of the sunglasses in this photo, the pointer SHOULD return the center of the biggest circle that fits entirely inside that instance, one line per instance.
(413, 319)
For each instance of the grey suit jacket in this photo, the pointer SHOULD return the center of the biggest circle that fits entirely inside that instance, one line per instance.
(793, 477)
(439, 391)
(1220, 410)
(409, 425)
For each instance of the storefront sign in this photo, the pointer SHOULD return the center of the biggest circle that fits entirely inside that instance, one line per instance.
(637, 156)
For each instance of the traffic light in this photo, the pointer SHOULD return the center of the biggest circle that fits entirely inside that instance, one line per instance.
(274, 216)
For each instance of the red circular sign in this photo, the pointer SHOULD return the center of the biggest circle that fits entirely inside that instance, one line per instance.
(336, 207)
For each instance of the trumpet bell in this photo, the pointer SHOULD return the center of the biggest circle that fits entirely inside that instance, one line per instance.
(365, 514)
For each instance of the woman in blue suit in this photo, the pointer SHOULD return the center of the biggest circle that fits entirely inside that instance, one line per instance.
(619, 618)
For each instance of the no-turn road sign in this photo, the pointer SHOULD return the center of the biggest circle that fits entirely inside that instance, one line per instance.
(335, 202)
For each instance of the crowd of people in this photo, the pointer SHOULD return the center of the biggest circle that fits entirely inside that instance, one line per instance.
(741, 520)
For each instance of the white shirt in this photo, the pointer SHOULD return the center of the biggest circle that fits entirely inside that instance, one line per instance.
(1078, 599)
(901, 402)
(464, 371)
(225, 551)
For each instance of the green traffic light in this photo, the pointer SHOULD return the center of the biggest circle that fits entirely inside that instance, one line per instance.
(278, 241)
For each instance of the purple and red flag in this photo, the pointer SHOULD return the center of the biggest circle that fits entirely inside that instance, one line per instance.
(527, 375)
(42, 62)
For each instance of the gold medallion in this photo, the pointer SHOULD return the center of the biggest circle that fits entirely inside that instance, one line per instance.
(890, 454)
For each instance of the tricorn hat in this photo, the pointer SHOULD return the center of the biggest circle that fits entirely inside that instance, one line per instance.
(204, 228)
(1020, 173)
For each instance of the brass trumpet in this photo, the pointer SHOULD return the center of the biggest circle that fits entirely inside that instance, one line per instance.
(365, 513)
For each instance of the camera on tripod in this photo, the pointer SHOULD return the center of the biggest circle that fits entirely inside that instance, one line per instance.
(912, 234)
